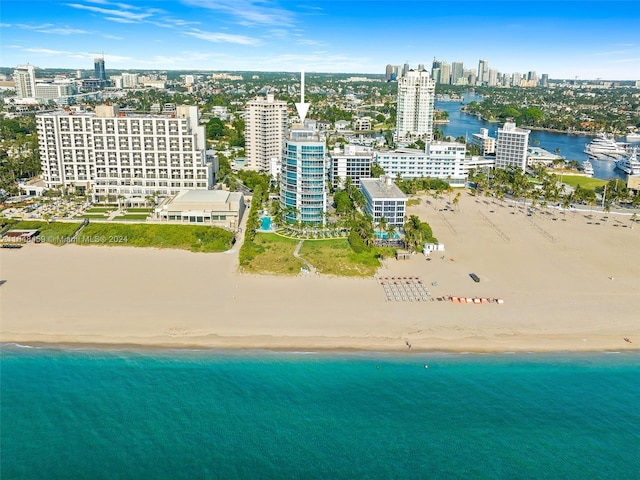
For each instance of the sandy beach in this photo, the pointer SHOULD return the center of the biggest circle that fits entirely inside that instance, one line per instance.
(569, 281)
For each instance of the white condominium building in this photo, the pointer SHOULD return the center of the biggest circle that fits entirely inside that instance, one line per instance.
(353, 162)
(265, 129)
(486, 143)
(59, 91)
(113, 154)
(384, 199)
(443, 160)
(303, 181)
(24, 77)
(511, 146)
(416, 92)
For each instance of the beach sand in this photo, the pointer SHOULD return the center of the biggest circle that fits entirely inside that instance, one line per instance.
(567, 284)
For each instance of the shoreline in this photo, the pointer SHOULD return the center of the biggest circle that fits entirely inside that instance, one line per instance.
(226, 349)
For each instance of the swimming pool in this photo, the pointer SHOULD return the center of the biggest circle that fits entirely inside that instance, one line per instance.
(265, 223)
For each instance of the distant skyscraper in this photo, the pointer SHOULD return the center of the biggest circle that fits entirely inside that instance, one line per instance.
(511, 146)
(544, 81)
(483, 72)
(405, 69)
(415, 105)
(516, 79)
(457, 72)
(445, 73)
(303, 180)
(492, 77)
(388, 72)
(25, 80)
(265, 128)
(98, 67)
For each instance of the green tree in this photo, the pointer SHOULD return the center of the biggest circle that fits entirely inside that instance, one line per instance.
(215, 128)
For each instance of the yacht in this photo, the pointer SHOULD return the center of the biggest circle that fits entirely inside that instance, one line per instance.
(630, 164)
(605, 146)
(587, 168)
(633, 137)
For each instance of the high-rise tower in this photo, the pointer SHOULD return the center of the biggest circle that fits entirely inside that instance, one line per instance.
(265, 128)
(98, 68)
(483, 72)
(415, 106)
(457, 72)
(25, 80)
(303, 180)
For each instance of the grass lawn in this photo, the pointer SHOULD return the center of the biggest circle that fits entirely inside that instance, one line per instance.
(584, 182)
(336, 257)
(185, 237)
(139, 210)
(132, 216)
(99, 210)
(56, 233)
(270, 253)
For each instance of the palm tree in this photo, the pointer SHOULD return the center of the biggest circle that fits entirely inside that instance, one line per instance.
(382, 225)
(456, 200)
(390, 230)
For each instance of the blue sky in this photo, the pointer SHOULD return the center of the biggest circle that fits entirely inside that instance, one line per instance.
(587, 39)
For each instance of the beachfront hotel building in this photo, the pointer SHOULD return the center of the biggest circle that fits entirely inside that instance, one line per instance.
(354, 161)
(384, 199)
(113, 154)
(416, 92)
(303, 177)
(265, 129)
(511, 146)
(443, 160)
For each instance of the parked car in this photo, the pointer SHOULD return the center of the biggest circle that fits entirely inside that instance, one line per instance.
(475, 277)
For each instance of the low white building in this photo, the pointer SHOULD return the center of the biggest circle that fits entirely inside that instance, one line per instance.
(33, 187)
(540, 156)
(384, 199)
(486, 143)
(443, 160)
(209, 207)
(353, 162)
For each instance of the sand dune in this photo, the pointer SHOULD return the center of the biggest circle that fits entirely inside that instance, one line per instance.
(567, 284)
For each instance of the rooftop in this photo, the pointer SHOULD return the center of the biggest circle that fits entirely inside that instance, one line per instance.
(382, 187)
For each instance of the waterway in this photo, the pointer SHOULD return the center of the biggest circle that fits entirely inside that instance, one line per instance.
(569, 146)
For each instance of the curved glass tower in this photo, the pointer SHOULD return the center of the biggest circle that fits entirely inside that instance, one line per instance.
(303, 181)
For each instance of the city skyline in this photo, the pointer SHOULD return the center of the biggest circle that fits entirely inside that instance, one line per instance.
(589, 40)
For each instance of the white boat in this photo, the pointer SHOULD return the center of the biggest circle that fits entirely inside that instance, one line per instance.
(633, 137)
(605, 146)
(587, 168)
(629, 165)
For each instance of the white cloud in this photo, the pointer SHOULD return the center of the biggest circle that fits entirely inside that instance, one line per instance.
(247, 12)
(218, 37)
(122, 13)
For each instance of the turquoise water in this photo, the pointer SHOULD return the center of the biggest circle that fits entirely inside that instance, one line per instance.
(266, 223)
(189, 414)
(385, 235)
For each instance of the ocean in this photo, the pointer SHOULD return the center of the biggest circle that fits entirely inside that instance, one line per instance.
(180, 414)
